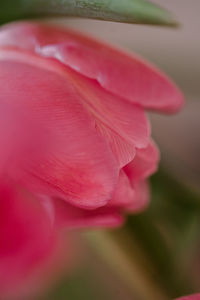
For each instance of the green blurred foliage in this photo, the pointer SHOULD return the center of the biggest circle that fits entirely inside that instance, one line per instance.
(168, 233)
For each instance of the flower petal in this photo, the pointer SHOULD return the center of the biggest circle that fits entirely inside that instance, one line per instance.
(17, 137)
(26, 236)
(78, 165)
(123, 151)
(124, 194)
(118, 72)
(32, 253)
(141, 197)
(124, 125)
(144, 164)
(70, 216)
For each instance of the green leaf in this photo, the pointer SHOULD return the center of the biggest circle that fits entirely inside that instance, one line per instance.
(128, 11)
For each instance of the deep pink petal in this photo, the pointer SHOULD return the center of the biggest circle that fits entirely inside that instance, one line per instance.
(26, 236)
(141, 197)
(124, 194)
(130, 195)
(120, 73)
(144, 164)
(33, 253)
(70, 216)
(78, 165)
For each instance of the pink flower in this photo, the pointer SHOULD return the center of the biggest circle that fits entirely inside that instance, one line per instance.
(86, 102)
(192, 297)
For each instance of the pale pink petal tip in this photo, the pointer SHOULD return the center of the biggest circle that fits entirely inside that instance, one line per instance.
(191, 297)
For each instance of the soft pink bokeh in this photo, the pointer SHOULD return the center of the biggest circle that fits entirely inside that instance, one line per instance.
(192, 297)
(32, 251)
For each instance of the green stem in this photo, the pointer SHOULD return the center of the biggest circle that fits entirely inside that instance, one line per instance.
(129, 11)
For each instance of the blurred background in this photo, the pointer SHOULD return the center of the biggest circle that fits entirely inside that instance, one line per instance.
(156, 255)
